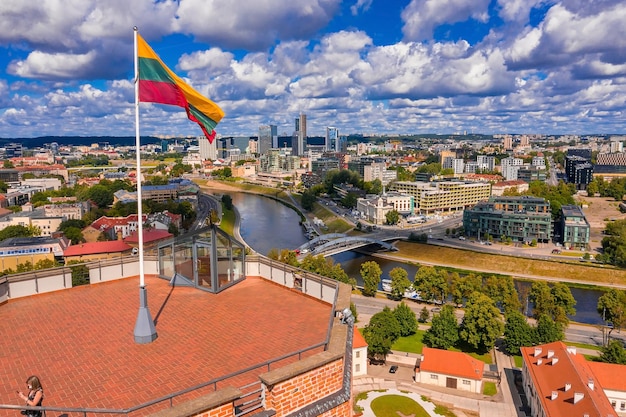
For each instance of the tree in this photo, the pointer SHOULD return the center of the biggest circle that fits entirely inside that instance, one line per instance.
(612, 308)
(542, 298)
(399, 282)
(370, 272)
(406, 318)
(392, 217)
(517, 332)
(444, 330)
(430, 283)
(547, 330)
(382, 330)
(481, 324)
(15, 231)
(227, 200)
(613, 353)
(75, 235)
(424, 315)
(101, 195)
(502, 291)
(462, 287)
(564, 303)
(308, 199)
(350, 200)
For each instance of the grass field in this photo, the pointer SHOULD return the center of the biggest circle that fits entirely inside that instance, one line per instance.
(228, 220)
(489, 388)
(395, 405)
(465, 259)
(411, 344)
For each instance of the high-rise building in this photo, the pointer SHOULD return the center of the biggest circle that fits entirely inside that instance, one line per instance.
(332, 139)
(299, 135)
(268, 138)
(208, 150)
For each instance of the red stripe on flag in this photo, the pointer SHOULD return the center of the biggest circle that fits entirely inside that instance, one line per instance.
(161, 92)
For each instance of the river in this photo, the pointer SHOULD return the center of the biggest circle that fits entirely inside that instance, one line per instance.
(267, 224)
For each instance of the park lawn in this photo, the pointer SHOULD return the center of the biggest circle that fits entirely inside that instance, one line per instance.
(489, 388)
(506, 264)
(519, 361)
(412, 344)
(394, 405)
(228, 220)
(583, 345)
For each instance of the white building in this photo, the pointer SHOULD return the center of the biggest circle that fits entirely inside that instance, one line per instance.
(486, 162)
(445, 368)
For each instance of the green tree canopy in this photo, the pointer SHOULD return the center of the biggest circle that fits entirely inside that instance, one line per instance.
(406, 318)
(613, 352)
(308, 199)
(431, 283)
(444, 330)
(612, 308)
(382, 330)
(547, 330)
(15, 231)
(370, 272)
(481, 324)
(392, 217)
(399, 282)
(517, 332)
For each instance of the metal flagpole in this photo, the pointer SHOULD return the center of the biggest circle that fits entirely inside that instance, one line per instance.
(145, 331)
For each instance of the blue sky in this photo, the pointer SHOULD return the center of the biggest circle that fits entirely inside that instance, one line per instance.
(364, 66)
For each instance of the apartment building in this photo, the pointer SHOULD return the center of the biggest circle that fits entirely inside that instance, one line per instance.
(522, 218)
(574, 228)
(443, 196)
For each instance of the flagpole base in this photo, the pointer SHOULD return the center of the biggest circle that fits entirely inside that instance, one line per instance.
(145, 331)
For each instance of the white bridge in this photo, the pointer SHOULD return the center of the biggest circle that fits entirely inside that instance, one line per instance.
(333, 243)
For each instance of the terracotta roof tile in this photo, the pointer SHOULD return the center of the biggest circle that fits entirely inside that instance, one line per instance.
(149, 235)
(359, 340)
(451, 363)
(112, 246)
(80, 341)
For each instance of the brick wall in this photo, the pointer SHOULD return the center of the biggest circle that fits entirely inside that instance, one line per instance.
(305, 388)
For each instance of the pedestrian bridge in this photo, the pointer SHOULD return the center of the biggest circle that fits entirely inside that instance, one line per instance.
(334, 243)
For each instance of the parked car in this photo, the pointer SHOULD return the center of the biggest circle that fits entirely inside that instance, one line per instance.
(393, 369)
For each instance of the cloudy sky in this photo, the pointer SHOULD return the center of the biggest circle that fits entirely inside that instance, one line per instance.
(364, 66)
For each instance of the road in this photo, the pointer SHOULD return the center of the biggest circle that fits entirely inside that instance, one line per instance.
(580, 333)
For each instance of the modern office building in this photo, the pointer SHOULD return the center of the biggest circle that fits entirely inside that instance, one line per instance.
(578, 170)
(208, 150)
(521, 218)
(530, 173)
(443, 196)
(268, 138)
(300, 136)
(574, 229)
(332, 139)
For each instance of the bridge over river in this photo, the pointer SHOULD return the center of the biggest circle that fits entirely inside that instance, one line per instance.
(334, 243)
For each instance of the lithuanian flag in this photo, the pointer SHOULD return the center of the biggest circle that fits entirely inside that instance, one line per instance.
(158, 84)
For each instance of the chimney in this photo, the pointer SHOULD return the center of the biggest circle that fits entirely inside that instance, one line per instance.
(539, 362)
(590, 384)
(578, 396)
(555, 360)
(571, 350)
(550, 354)
(537, 351)
(554, 396)
(568, 386)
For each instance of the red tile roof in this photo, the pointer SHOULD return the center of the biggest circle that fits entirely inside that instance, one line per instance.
(80, 341)
(569, 370)
(609, 375)
(451, 363)
(149, 235)
(359, 340)
(92, 248)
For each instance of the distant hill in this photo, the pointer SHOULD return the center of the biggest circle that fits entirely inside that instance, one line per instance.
(79, 140)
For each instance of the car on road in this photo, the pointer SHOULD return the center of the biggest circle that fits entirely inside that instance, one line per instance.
(393, 369)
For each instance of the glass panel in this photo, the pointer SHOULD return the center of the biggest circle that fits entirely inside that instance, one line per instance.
(204, 265)
(166, 262)
(183, 259)
(224, 268)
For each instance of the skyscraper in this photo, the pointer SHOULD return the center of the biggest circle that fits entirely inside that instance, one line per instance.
(299, 135)
(268, 138)
(332, 139)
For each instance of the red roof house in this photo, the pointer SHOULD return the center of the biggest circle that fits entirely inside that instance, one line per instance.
(449, 369)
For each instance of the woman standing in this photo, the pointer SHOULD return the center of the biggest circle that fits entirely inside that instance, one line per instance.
(34, 397)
